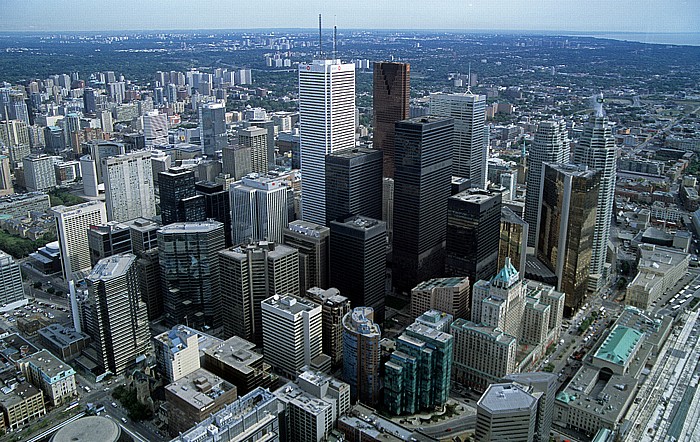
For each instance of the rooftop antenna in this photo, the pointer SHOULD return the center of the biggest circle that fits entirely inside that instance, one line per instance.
(335, 40)
(320, 51)
(469, 79)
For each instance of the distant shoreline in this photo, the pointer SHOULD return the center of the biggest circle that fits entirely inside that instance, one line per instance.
(681, 38)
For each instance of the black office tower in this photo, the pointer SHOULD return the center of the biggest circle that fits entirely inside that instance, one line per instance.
(179, 201)
(217, 204)
(354, 183)
(473, 234)
(358, 261)
(422, 180)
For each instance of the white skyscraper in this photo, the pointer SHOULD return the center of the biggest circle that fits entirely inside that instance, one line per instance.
(259, 210)
(596, 149)
(327, 123)
(551, 145)
(39, 173)
(72, 224)
(155, 129)
(469, 151)
(129, 186)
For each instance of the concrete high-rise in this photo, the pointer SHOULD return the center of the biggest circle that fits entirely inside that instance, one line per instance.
(596, 149)
(155, 129)
(473, 234)
(313, 242)
(109, 239)
(14, 134)
(292, 333)
(448, 295)
(129, 192)
(421, 188)
(72, 224)
(236, 161)
(326, 124)
(543, 386)
(255, 139)
(259, 210)
(469, 147)
(551, 144)
(177, 353)
(353, 183)
(334, 307)
(39, 173)
(179, 201)
(250, 274)
(506, 412)
(358, 261)
(119, 325)
(568, 221)
(11, 290)
(361, 355)
(189, 262)
(212, 125)
(6, 187)
(391, 103)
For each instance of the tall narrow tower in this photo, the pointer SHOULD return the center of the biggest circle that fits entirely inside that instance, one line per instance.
(550, 145)
(391, 94)
(327, 123)
(596, 149)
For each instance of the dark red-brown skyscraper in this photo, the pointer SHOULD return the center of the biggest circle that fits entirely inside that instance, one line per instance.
(392, 83)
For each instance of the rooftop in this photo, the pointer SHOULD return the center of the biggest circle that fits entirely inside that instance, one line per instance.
(619, 345)
(442, 282)
(191, 227)
(293, 394)
(89, 428)
(199, 388)
(235, 352)
(49, 365)
(111, 267)
(508, 397)
(290, 303)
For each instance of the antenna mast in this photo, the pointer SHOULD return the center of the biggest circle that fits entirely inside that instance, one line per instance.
(469, 79)
(320, 51)
(335, 42)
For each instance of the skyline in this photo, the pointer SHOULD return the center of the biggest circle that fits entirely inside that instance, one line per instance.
(650, 16)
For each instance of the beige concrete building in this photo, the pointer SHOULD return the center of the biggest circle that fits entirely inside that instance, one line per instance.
(53, 376)
(448, 295)
(177, 353)
(659, 269)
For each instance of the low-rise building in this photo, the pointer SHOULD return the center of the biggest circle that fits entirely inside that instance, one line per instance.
(65, 342)
(20, 402)
(53, 376)
(659, 269)
(236, 362)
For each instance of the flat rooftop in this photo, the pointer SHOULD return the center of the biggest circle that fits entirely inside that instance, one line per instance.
(49, 364)
(193, 227)
(199, 388)
(442, 282)
(111, 267)
(235, 352)
(506, 398)
(87, 429)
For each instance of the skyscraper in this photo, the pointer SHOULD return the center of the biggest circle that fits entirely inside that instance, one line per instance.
(473, 234)
(358, 261)
(179, 201)
(259, 210)
(189, 266)
(513, 241)
(212, 124)
(250, 274)
(12, 289)
(129, 190)
(469, 146)
(14, 135)
(313, 242)
(326, 123)
(108, 239)
(236, 161)
(506, 412)
(334, 307)
(568, 221)
(354, 183)
(72, 224)
(217, 203)
(421, 189)
(391, 95)
(155, 129)
(39, 173)
(361, 354)
(255, 138)
(119, 325)
(6, 187)
(596, 149)
(550, 145)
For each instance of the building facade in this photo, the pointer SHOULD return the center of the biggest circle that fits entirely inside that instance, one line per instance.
(391, 99)
(129, 190)
(361, 354)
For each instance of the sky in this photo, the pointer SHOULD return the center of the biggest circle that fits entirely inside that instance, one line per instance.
(652, 16)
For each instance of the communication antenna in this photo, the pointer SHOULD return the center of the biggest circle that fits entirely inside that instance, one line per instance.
(320, 52)
(469, 79)
(335, 41)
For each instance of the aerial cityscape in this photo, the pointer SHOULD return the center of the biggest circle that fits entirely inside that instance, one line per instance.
(317, 227)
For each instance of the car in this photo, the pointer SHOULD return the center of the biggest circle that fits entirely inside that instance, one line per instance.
(114, 404)
(448, 430)
(124, 419)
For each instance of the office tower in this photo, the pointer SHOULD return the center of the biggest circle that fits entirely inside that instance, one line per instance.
(473, 234)
(292, 333)
(313, 242)
(506, 412)
(116, 91)
(391, 98)
(421, 188)
(258, 210)
(217, 204)
(119, 325)
(72, 224)
(334, 307)
(235, 361)
(89, 100)
(12, 289)
(88, 169)
(568, 222)
(353, 183)
(388, 207)
(255, 139)
(550, 145)
(270, 127)
(448, 295)
(6, 187)
(358, 261)
(177, 353)
(103, 149)
(54, 139)
(144, 235)
(326, 124)
(39, 172)
(596, 149)
(148, 270)
(129, 189)
(499, 303)
(543, 387)
(106, 121)
(494, 359)
(361, 336)
(236, 161)
(212, 126)
(179, 201)
(15, 136)
(155, 129)
(158, 96)
(250, 274)
(108, 239)
(469, 146)
(513, 240)
(189, 269)
(418, 373)
(71, 127)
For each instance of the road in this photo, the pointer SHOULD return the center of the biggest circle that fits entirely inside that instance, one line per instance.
(451, 427)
